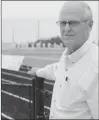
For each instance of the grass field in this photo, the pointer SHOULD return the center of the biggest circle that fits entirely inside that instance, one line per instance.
(38, 57)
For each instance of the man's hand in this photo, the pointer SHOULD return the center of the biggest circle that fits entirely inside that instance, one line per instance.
(33, 71)
(45, 72)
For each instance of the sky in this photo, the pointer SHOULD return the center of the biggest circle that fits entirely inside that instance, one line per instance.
(26, 21)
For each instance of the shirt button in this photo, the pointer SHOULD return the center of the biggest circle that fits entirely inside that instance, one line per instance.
(66, 79)
(54, 100)
(66, 69)
(60, 86)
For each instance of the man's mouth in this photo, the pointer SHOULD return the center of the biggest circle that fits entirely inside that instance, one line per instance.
(69, 35)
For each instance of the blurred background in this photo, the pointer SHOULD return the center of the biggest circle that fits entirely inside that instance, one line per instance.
(28, 24)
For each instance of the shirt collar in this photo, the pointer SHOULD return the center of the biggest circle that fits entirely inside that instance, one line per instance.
(79, 53)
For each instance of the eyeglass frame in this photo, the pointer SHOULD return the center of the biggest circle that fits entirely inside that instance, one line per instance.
(78, 22)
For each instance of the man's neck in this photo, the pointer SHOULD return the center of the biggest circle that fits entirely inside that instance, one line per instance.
(71, 50)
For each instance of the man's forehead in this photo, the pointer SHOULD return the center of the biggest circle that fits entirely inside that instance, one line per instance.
(74, 10)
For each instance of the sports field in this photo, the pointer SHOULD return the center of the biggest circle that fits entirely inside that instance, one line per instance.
(38, 57)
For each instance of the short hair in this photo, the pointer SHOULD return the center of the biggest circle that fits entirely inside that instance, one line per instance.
(88, 11)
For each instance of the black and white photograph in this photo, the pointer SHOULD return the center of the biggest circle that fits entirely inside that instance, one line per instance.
(49, 60)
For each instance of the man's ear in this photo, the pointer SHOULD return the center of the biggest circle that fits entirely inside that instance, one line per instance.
(90, 23)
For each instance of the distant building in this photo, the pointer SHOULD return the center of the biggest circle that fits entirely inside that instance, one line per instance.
(43, 45)
(49, 45)
(38, 44)
(61, 45)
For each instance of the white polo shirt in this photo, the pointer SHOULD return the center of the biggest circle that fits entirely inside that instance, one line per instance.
(75, 92)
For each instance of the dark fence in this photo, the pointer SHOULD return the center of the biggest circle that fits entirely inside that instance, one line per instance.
(17, 94)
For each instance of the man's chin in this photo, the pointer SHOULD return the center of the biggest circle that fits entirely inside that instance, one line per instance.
(68, 42)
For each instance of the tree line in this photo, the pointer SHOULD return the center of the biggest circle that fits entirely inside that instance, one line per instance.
(52, 41)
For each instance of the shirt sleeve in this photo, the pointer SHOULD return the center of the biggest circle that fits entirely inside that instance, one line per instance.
(47, 72)
(93, 100)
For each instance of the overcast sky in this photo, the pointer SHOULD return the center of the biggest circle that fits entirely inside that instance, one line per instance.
(20, 18)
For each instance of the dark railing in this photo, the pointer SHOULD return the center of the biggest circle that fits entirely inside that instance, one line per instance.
(38, 89)
(25, 96)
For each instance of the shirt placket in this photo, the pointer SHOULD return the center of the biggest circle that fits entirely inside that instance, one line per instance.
(55, 100)
(58, 90)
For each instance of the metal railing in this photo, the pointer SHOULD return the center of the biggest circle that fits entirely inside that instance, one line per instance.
(14, 88)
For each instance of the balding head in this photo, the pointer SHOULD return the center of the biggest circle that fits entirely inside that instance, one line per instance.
(79, 8)
(75, 22)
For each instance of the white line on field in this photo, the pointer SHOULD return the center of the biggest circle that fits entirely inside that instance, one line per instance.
(18, 76)
(14, 83)
(47, 107)
(19, 97)
(6, 116)
(53, 59)
(37, 49)
(48, 83)
(44, 58)
(25, 77)
(48, 91)
(8, 81)
(16, 96)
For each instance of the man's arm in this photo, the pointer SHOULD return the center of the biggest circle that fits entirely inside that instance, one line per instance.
(47, 72)
(33, 71)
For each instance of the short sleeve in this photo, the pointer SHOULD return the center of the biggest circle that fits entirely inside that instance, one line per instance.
(47, 72)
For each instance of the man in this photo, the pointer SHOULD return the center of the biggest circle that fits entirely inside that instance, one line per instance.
(75, 92)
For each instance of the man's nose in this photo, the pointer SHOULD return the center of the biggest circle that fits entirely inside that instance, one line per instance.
(67, 27)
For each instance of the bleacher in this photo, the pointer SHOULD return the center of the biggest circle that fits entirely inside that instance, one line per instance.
(17, 94)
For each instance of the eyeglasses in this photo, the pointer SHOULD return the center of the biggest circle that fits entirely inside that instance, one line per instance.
(71, 23)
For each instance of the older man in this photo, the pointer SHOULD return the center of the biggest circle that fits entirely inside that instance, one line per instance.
(75, 93)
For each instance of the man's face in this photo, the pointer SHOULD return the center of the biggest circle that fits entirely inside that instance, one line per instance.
(75, 32)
